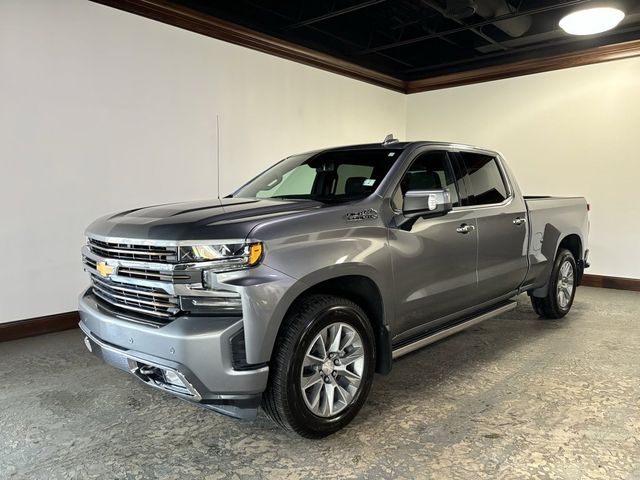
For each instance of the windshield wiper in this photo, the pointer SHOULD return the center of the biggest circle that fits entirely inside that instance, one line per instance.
(291, 197)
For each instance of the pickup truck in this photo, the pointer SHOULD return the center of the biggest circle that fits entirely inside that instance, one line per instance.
(292, 291)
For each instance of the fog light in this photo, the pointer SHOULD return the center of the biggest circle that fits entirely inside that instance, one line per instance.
(220, 302)
(173, 378)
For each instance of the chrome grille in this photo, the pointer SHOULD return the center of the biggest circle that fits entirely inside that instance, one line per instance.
(127, 289)
(136, 298)
(128, 251)
(144, 273)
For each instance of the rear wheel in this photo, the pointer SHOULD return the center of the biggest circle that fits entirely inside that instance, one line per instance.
(322, 368)
(562, 288)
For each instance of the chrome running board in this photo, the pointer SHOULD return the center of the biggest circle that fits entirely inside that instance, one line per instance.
(458, 327)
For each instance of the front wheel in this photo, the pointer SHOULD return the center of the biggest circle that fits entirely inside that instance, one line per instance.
(562, 288)
(322, 367)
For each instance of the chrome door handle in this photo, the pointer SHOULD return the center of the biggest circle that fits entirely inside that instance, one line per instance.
(519, 221)
(464, 228)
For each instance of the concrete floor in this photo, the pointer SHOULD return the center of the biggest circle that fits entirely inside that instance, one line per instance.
(515, 397)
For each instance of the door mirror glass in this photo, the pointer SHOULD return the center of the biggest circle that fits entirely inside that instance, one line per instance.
(422, 203)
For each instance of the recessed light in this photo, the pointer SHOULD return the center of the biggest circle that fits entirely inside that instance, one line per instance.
(591, 20)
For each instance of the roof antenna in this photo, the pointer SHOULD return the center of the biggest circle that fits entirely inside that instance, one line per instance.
(389, 140)
(218, 151)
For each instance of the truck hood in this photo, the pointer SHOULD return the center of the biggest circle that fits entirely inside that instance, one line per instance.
(227, 218)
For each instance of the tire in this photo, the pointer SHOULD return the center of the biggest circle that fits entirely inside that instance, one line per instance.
(562, 288)
(312, 412)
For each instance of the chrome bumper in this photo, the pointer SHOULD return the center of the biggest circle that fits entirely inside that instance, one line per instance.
(195, 350)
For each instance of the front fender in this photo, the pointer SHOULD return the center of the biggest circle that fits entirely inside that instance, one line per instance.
(261, 333)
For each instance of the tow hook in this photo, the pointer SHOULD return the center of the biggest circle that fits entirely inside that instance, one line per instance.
(148, 370)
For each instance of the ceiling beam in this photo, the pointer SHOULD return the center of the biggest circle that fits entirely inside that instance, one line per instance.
(589, 56)
(570, 43)
(328, 34)
(335, 13)
(506, 16)
(434, 6)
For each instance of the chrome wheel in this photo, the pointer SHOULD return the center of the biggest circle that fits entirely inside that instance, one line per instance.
(332, 370)
(565, 284)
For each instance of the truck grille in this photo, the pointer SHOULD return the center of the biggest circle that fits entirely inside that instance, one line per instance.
(127, 288)
(136, 298)
(127, 251)
(145, 283)
(144, 273)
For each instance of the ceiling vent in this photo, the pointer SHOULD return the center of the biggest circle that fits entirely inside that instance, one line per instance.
(460, 8)
(514, 27)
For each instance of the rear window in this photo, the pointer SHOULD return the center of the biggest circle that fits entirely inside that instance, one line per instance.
(487, 183)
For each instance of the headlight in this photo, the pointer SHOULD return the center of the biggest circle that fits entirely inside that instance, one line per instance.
(223, 257)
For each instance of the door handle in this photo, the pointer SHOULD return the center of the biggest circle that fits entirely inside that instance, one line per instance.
(519, 221)
(464, 228)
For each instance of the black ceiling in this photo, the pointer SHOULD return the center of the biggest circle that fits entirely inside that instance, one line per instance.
(411, 39)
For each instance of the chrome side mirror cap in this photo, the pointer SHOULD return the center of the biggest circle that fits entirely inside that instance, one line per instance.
(422, 203)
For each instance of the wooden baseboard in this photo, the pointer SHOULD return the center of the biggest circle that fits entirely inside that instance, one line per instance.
(38, 326)
(68, 320)
(619, 283)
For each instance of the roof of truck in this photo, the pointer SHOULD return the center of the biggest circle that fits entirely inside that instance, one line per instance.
(396, 145)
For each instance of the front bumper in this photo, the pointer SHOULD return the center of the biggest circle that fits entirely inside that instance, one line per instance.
(195, 351)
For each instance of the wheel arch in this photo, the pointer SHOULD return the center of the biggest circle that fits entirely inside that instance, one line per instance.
(363, 290)
(571, 241)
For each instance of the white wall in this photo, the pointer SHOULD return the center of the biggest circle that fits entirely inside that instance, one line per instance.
(567, 132)
(101, 111)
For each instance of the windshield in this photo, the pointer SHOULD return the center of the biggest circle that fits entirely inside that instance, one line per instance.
(335, 176)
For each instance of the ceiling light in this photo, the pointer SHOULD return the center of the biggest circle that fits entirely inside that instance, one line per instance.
(591, 20)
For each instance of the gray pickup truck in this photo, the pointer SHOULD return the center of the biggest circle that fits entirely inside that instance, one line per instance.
(291, 292)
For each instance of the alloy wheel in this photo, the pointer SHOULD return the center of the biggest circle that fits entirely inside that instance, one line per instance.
(332, 370)
(565, 284)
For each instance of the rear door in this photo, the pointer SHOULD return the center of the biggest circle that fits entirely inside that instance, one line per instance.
(501, 218)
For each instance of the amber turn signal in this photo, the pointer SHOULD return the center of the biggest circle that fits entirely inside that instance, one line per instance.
(255, 253)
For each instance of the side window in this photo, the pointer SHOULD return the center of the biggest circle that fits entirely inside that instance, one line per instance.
(430, 171)
(486, 181)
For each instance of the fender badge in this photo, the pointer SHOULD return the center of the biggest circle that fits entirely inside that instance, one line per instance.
(366, 214)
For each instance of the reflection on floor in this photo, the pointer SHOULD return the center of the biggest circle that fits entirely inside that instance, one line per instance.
(513, 397)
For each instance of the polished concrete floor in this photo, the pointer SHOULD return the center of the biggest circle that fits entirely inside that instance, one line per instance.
(515, 397)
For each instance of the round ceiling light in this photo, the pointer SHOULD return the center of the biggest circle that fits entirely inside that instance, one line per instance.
(591, 20)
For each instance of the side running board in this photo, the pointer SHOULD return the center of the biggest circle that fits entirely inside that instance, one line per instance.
(458, 327)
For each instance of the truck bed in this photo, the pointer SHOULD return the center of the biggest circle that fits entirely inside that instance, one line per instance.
(550, 217)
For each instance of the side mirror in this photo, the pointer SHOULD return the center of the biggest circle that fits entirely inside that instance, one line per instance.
(422, 203)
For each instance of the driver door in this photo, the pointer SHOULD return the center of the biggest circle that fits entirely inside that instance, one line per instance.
(434, 263)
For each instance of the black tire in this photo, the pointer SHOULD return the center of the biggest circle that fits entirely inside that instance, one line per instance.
(551, 306)
(283, 399)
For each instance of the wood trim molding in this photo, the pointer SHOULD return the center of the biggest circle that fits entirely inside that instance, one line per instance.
(619, 283)
(38, 326)
(179, 16)
(167, 12)
(605, 53)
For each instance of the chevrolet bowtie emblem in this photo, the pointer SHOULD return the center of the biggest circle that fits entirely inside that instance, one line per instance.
(103, 269)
